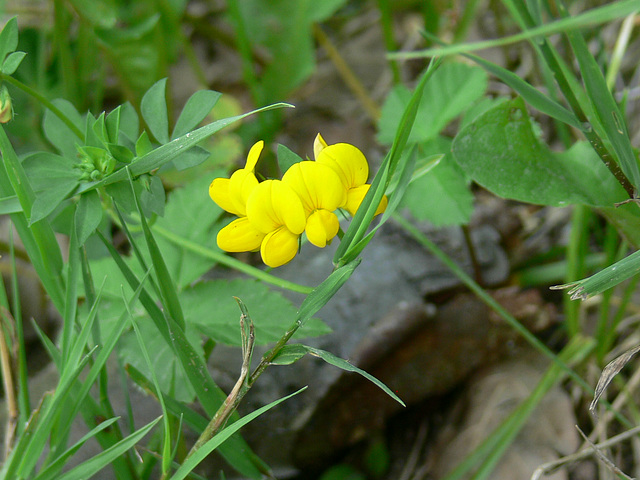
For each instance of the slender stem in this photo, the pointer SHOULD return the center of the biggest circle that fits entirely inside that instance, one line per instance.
(352, 81)
(44, 101)
(239, 390)
(386, 19)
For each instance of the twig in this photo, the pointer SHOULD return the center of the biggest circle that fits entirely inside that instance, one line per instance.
(550, 467)
(350, 78)
(239, 389)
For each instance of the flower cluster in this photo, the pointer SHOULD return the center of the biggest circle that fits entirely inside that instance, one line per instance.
(273, 214)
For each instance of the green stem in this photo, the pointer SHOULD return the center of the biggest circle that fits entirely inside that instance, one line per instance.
(575, 264)
(230, 261)
(44, 101)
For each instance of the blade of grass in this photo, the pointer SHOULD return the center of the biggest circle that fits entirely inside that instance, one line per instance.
(54, 469)
(362, 219)
(71, 297)
(166, 446)
(590, 18)
(168, 290)
(232, 449)
(24, 465)
(604, 105)
(98, 462)
(221, 437)
(23, 383)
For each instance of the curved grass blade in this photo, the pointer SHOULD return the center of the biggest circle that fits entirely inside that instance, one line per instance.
(221, 437)
(593, 17)
(53, 470)
(362, 219)
(604, 279)
(294, 352)
(98, 462)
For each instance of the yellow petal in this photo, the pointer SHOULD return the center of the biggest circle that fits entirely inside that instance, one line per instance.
(318, 145)
(279, 247)
(347, 161)
(273, 204)
(322, 226)
(241, 184)
(317, 185)
(355, 197)
(240, 236)
(219, 193)
(254, 154)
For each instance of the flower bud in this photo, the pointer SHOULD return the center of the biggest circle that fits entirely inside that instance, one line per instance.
(6, 108)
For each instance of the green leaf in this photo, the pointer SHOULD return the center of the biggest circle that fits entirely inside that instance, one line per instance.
(129, 123)
(442, 196)
(452, 89)
(223, 436)
(59, 134)
(293, 352)
(88, 215)
(500, 151)
(112, 125)
(320, 295)
(12, 62)
(290, 354)
(9, 38)
(96, 463)
(100, 13)
(286, 158)
(195, 111)
(154, 111)
(272, 313)
(152, 196)
(191, 158)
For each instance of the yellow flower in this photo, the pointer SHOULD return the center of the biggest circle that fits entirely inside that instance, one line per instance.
(321, 192)
(275, 210)
(231, 194)
(351, 166)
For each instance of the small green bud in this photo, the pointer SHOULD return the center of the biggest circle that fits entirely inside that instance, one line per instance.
(95, 163)
(6, 107)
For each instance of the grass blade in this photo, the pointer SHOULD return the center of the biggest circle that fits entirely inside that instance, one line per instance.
(98, 462)
(221, 437)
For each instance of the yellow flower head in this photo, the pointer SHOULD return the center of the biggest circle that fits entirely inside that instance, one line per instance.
(275, 210)
(321, 192)
(351, 166)
(231, 194)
